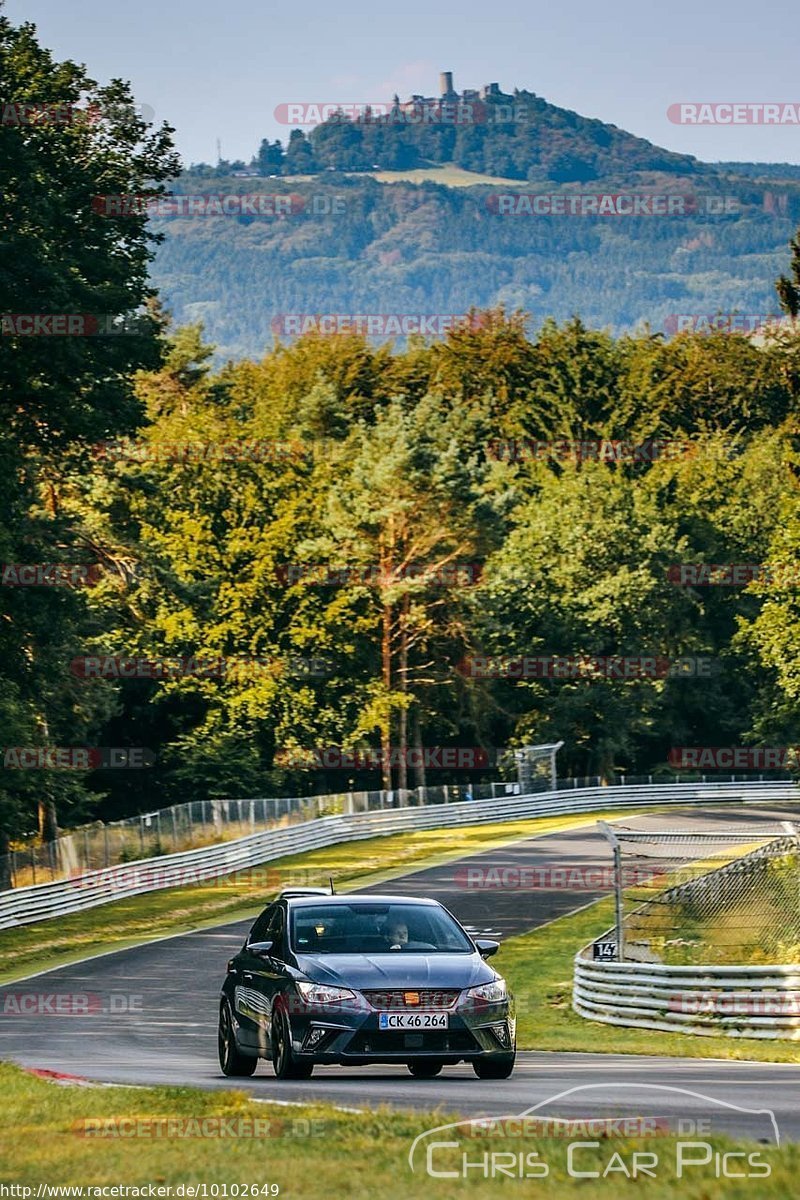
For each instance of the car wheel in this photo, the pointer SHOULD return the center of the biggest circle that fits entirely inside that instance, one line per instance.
(494, 1068)
(284, 1063)
(230, 1060)
(425, 1069)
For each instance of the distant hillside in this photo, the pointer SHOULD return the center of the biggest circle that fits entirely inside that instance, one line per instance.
(760, 170)
(515, 135)
(473, 199)
(352, 245)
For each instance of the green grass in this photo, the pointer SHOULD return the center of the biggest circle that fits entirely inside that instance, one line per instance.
(539, 967)
(136, 919)
(449, 175)
(312, 1152)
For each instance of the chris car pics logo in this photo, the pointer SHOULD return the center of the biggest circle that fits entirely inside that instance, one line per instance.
(655, 1131)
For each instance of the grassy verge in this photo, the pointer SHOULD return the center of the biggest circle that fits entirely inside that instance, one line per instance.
(122, 1136)
(137, 919)
(538, 966)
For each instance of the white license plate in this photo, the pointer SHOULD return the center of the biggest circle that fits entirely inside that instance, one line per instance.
(413, 1020)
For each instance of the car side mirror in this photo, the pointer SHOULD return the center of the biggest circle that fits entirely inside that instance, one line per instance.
(486, 947)
(262, 949)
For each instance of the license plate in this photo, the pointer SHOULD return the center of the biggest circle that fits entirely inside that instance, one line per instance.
(413, 1020)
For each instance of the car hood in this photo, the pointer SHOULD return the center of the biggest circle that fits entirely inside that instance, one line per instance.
(396, 969)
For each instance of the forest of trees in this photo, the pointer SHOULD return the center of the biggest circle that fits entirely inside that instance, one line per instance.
(204, 502)
(354, 245)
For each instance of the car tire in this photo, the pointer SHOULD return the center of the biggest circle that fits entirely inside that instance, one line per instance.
(425, 1068)
(494, 1068)
(230, 1060)
(284, 1063)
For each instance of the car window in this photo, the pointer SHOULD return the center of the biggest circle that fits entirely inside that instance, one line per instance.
(259, 931)
(275, 931)
(372, 928)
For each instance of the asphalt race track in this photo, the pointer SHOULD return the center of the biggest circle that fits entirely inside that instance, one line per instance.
(153, 1011)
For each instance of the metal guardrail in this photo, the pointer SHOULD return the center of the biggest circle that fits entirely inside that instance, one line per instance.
(753, 1000)
(730, 1001)
(197, 823)
(21, 906)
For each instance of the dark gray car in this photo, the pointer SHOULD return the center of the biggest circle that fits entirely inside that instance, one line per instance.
(364, 979)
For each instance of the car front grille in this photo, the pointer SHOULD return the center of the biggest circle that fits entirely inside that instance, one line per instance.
(405, 999)
(379, 1043)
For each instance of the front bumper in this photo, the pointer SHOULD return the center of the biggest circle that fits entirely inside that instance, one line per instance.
(354, 1037)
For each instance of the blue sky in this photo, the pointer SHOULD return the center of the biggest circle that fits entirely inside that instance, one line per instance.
(218, 70)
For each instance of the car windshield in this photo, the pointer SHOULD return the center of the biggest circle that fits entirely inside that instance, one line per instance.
(361, 928)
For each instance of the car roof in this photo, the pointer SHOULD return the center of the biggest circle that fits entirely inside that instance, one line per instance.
(357, 898)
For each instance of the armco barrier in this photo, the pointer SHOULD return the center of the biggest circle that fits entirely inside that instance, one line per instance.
(720, 1001)
(21, 906)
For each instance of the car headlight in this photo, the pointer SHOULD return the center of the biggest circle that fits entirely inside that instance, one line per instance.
(321, 993)
(490, 992)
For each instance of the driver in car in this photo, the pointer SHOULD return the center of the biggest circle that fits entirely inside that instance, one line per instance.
(397, 934)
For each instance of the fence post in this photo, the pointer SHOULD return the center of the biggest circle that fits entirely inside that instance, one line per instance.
(611, 837)
(105, 846)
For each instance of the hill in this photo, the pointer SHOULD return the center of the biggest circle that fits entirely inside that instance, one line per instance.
(492, 199)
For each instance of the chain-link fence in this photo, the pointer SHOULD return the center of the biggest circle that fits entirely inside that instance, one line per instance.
(205, 822)
(727, 897)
